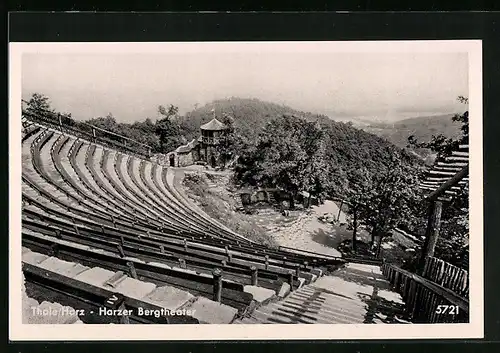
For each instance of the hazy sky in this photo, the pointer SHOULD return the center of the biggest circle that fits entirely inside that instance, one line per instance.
(131, 86)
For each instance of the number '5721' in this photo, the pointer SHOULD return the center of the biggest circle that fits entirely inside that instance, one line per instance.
(447, 309)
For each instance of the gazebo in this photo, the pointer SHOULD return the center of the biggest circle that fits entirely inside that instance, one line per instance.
(212, 134)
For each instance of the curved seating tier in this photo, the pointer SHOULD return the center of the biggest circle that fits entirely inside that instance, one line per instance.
(95, 205)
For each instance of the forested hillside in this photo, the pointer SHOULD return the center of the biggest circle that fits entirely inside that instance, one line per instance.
(294, 151)
(422, 128)
(250, 115)
(346, 145)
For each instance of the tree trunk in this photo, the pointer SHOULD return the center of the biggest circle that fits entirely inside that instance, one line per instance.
(340, 209)
(373, 235)
(309, 201)
(354, 230)
(432, 232)
(292, 201)
(379, 246)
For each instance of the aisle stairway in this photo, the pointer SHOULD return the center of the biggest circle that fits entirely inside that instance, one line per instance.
(354, 294)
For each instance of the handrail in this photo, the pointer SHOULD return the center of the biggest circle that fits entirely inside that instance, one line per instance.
(423, 297)
(294, 250)
(143, 150)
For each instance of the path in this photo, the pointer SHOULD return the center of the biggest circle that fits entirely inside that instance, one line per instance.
(355, 294)
(308, 233)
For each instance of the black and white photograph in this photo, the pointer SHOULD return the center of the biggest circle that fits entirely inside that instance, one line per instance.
(246, 186)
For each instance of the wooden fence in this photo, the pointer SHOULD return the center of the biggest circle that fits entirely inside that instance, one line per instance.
(447, 275)
(426, 301)
(90, 133)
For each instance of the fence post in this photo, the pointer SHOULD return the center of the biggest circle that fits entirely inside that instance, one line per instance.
(432, 232)
(131, 268)
(297, 270)
(120, 250)
(290, 280)
(217, 277)
(255, 275)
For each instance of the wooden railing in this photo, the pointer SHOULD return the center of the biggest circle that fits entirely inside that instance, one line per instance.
(427, 301)
(447, 275)
(211, 140)
(90, 133)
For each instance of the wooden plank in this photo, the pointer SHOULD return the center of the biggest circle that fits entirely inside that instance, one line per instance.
(453, 181)
(445, 293)
(97, 295)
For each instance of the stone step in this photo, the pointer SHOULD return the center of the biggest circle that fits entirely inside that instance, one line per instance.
(333, 303)
(170, 298)
(330, 314)
(210, 312)
(260, 294)
(281, 311)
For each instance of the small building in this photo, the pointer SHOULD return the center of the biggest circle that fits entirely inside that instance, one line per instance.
(184, 155)
(212, 134)
(202, 149)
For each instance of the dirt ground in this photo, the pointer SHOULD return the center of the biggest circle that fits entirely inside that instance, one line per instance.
(301, 230)
(307, 232)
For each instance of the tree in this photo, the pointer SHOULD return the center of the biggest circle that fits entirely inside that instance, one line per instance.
(168, 129)
(227, 143)
(107, 123)
(382, 200)
(454, 227)
(284, 157)
(289, 154)
(39, 104)
(315, 169)
(391, 199)
(355, 194)
(144, 132)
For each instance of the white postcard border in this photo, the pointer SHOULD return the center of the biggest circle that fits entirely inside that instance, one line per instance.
(32, 332)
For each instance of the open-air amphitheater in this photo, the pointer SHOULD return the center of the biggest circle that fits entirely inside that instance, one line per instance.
(105, 228)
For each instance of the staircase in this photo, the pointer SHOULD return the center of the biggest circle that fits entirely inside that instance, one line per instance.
(354, 294)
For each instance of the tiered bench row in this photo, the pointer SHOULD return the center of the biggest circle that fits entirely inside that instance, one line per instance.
(99, 207)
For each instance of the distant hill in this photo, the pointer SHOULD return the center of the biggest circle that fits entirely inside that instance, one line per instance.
(348, 147)
(423, 128)
(249, 114)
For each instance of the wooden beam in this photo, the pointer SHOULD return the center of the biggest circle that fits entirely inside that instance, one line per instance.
(432, 232)
(452, 182)
(437, 172)
(460, 154)
(451, 165)
(457, 158)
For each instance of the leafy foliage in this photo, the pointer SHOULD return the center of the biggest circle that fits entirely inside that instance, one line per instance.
(168, 129)
(227, 145)
(420, 128)
(454, 230)
(38, 103)
(289, 154)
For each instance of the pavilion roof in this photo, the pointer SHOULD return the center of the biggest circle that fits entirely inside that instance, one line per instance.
(213, 125)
